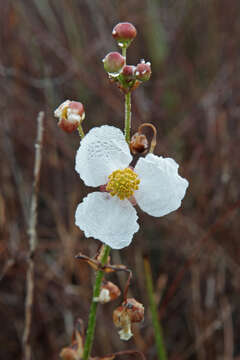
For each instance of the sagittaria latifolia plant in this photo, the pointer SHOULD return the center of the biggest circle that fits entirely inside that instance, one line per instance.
(104, 160)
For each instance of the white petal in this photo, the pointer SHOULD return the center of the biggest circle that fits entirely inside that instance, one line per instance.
(102, 151)
(161, 189)
(108, 219)
(59, 110)
(74, 117)
(126, 332)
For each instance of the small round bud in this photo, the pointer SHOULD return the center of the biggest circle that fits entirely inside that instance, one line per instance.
(143, 71)
(113, 62)
(124, 33)
(128, 72)
(70, 115)
(138, 144)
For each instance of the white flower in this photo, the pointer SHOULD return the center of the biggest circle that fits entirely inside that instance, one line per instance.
(73, 111)
(104, 158)
(70, 115)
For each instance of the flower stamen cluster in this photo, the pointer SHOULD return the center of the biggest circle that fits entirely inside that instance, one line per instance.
(123, 183)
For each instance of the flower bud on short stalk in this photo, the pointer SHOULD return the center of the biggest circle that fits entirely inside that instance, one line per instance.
(127, 79)
(128, 72)
(113, 63)
(131, 311)
(124, 33)
(70, 115)
(143, 71)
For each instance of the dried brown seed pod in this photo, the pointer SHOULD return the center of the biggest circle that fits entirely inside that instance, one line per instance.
(138, 143)
(134, 309)
(131, 311)
(122, 320)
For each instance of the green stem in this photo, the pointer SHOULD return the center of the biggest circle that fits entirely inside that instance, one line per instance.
(80, 130)
(127, 105)
(93, 309)
(127, 116)
(161, 351)
(124, 52)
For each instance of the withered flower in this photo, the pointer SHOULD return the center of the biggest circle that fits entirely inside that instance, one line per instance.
(131, 311)
(138, 144)
(109, 292)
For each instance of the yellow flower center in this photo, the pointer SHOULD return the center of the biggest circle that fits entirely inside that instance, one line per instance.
(123, 183)
(64, 112)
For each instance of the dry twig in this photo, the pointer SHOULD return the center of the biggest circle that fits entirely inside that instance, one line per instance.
(32, 240)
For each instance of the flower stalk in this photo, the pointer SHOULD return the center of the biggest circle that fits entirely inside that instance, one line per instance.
(127, 127)
(93, 309)
(161, 351)
(124, 52)
(80, 130)
(127, 116)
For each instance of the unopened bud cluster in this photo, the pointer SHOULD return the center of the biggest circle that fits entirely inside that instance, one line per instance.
(127, 77)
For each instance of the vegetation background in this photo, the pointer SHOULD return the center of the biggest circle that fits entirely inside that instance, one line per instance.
(51, 50)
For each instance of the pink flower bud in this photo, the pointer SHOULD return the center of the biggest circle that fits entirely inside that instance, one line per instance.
(124, 32)
(128, 72)
(70, 115)
(143, 71)
(113, 62)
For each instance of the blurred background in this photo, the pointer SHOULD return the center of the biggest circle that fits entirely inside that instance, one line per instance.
(50, 51)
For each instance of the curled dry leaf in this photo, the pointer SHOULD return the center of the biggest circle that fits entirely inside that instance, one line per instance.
(96, 265)
(75, 350)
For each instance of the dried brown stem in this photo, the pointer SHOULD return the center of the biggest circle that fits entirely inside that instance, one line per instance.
(96, 265)
(32, 240)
